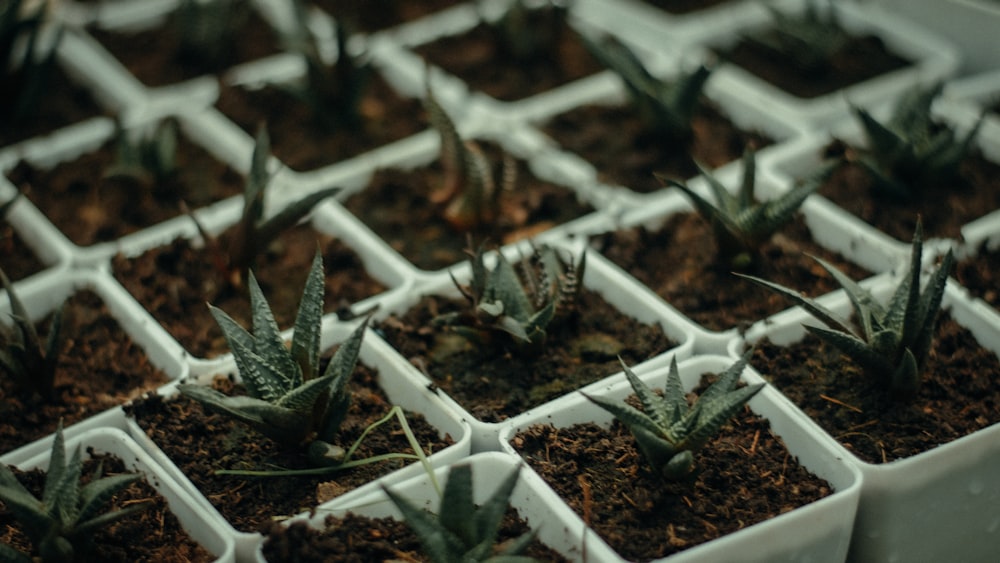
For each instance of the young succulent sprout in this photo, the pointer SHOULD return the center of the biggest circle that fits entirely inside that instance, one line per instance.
(740, 224)
(333, 91)
(469, 191)
(810, 39)
(24, 357)
(524, 33)
(667, 430)
(911, 151)
(146, 157)
(208, 29)
(253, 232)
(462, 532)
(502, 302)
(26, 58)
(891, 342)
(288, 399)
(666, 107)
(62, 523)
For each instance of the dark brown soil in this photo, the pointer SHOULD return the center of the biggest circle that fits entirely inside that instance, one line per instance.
(175, 282)
(99, 368)
(154, 55)
(944, 208)
(958, 396)
(200, 443)
(397, 205)
(162, 537)
(614, 140)
(90, 208)
(358, 539)
(362, 15)
(981, 276)
(746, 476)
(17, 260)
(494, 384)
(678, 263)
(684, 6)
(477, 58)
(63, 103)
(863, 58)
(298, 139)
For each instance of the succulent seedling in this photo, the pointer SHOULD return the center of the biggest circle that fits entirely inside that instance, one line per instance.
(890, 342)
(469, 192)
(520, 307)
(810, 39)
(208, 30)
(288, 399)
(253, 233)
(61, 523)
(26, 58)
(461, 531)
(24, 356)
(666, 107)
(740, 224)
(668, 431)
(910, 151)
(523, 33)
(333, 91)
(147, 157)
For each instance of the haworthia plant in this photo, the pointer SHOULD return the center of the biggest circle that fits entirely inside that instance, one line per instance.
(147, 156)
(253, 232)
(461, 532)
(740, 223)
(24, 356)
(288, 399)
(469, 191)
(501, 301)
(911, 150)
(665, 106)
(61, 523)
(891, 342)
(667, 430)
(810, 39)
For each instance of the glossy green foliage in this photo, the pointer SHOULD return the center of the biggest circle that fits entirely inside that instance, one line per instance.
(27, 56)
(254, 232)
(911, 151)
(665, 106)
(667, 430)
(890, 341)
(518, 306)
(288, 399)
(463, 532)
(469, 192)
(333, 90)
(24, 357)
(741, 224)
(61, 524)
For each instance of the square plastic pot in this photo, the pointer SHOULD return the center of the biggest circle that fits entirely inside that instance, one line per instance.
(401, 388)
(942, 504)
(630, 298)
(819, 531)
(198, 524)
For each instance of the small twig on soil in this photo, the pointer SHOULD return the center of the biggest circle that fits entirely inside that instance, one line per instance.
(841, 403)
(588, 501)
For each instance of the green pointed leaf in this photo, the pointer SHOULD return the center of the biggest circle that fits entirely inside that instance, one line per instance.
(715, 413)
(852, 346)
(458, 512)
(488, 516)
(94, 495)
(439, 543)
(345, 359)
(308, 322)
(292, 213)
(268, 343)
(823, 314)
(631, 417)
